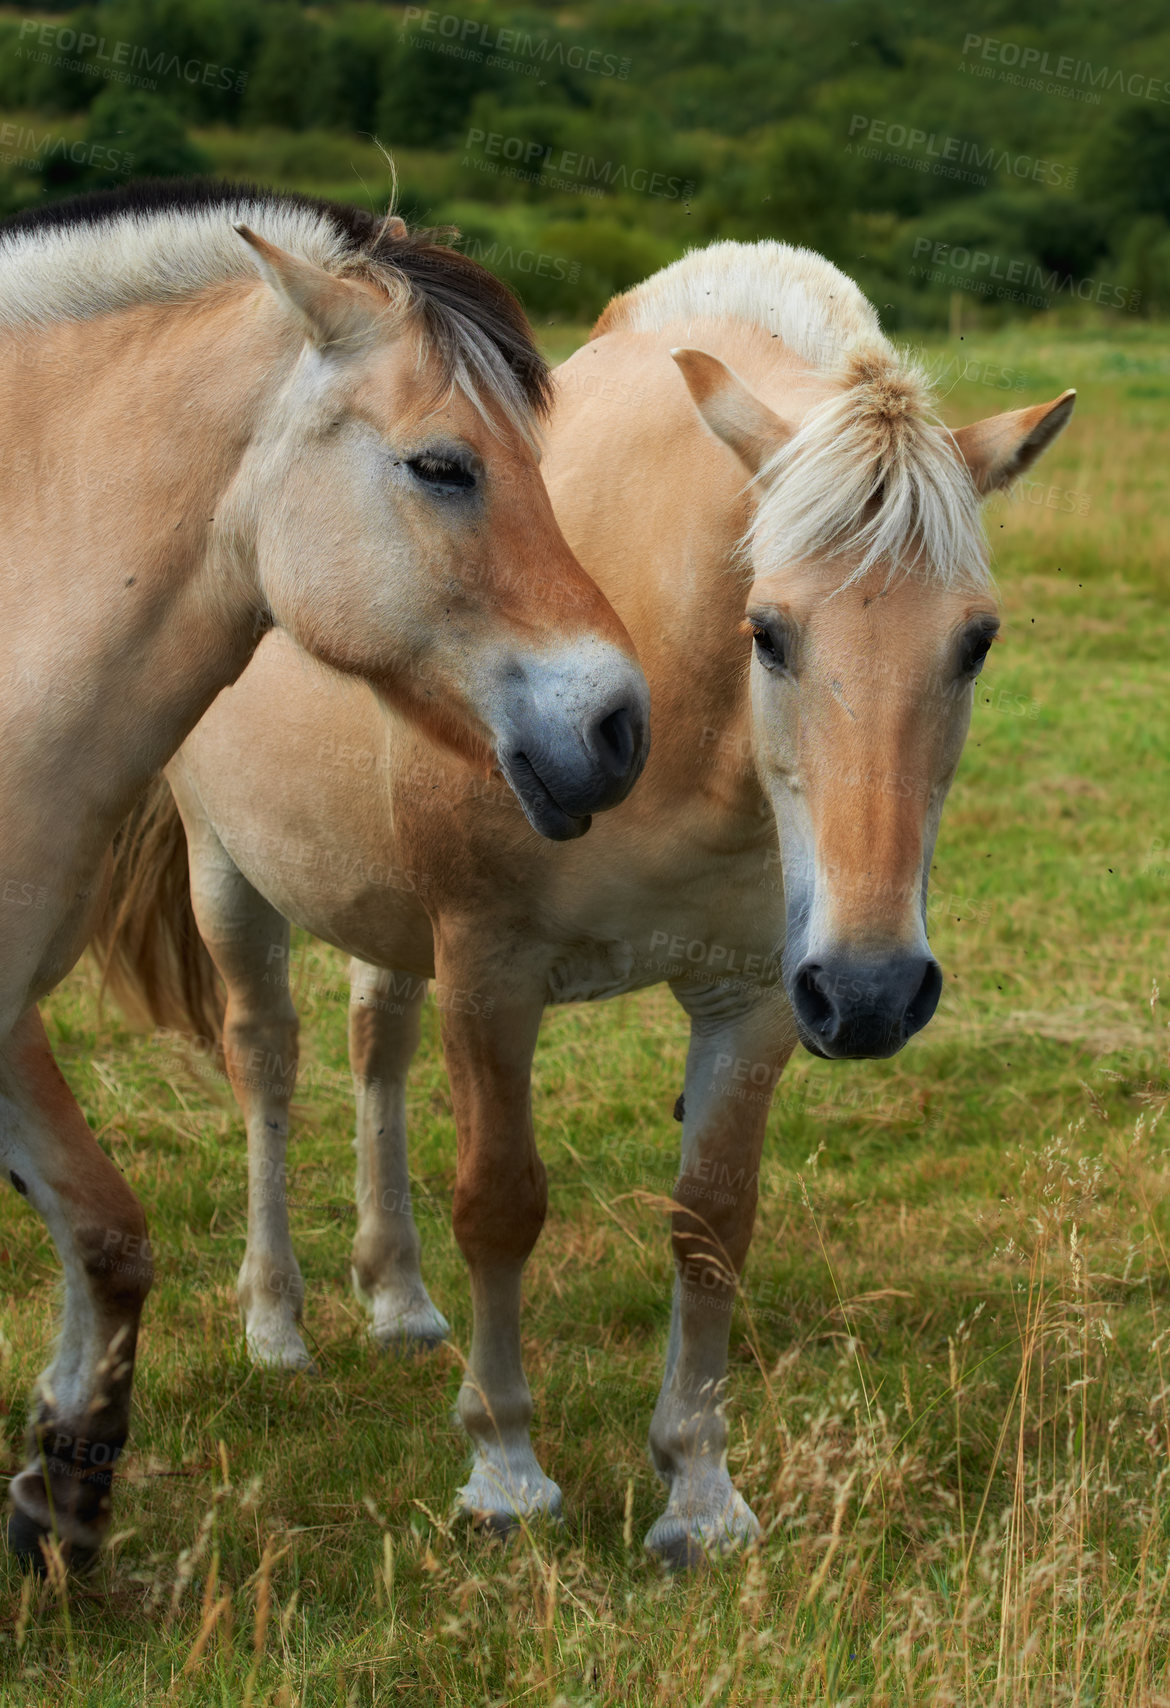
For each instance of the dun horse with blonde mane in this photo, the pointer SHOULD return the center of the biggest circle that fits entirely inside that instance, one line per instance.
(757, 481)
(223, 410)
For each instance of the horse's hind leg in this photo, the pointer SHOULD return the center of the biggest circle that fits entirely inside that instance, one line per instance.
(737, 1051)
(249, 942)
(384, 1011)
(80, 1416)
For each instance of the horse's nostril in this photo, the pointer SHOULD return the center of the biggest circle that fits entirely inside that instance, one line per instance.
(925, 999)
(816, 1010)
(615, 741)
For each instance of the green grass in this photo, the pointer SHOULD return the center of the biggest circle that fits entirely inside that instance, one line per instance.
(948, 1395)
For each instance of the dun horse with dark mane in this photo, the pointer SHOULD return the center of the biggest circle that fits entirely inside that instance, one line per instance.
(224, 410)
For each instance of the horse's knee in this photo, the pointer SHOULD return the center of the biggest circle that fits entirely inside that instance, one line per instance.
(262, 1055)
(498, 1213)
(384, 1033)
(118, 1262)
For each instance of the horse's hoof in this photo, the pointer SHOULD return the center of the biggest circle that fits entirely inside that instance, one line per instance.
(494, 1513)
(399, 1343)
(28, 1543)
(286, 1351)
(502, 1524)
(677, 1551)
(407, 1331)
(683, 1539)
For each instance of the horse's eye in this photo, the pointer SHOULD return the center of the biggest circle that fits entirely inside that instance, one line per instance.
(770, 648)
(975, 649)
(442, 473)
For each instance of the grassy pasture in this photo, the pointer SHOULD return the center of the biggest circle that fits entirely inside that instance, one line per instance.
(950, 1363)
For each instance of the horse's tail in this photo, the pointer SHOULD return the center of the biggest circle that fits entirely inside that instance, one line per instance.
(147, 943)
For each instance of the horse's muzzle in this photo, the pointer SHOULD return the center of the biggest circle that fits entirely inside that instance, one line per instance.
(574, 747)
(849, 1009)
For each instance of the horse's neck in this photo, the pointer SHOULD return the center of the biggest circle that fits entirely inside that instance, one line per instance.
(126, 610)
(703, 710)
(655, 510)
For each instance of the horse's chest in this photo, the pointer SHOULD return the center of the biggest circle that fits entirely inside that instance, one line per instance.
(734, 932)
(590, 971)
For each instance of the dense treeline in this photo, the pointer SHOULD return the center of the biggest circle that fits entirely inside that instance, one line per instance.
(1017, 164)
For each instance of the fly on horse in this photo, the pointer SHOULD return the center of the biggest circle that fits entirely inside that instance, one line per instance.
(224, 410)
(758, 482)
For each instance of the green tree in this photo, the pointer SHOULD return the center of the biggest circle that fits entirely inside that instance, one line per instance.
(428, 91)
(209, 48)
(359, 51)
(800, 190)
(56, 77)
(281, 89)
(129, 133)
(1129, 166)
(1144, 265)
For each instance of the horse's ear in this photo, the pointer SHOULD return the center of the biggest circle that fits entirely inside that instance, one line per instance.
(732, 412)
(335, 312)
(1004, 446)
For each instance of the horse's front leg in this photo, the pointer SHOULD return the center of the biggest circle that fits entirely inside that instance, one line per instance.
(501, 1196)
(739, 1045)
(80, 1415)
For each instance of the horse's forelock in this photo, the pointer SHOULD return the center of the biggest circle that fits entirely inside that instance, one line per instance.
(871, 478)
(473, 322)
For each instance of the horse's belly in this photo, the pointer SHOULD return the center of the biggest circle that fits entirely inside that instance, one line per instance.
(362, 901)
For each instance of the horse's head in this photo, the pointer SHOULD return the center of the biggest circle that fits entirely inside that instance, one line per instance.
(869, 616)
(403, 532)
